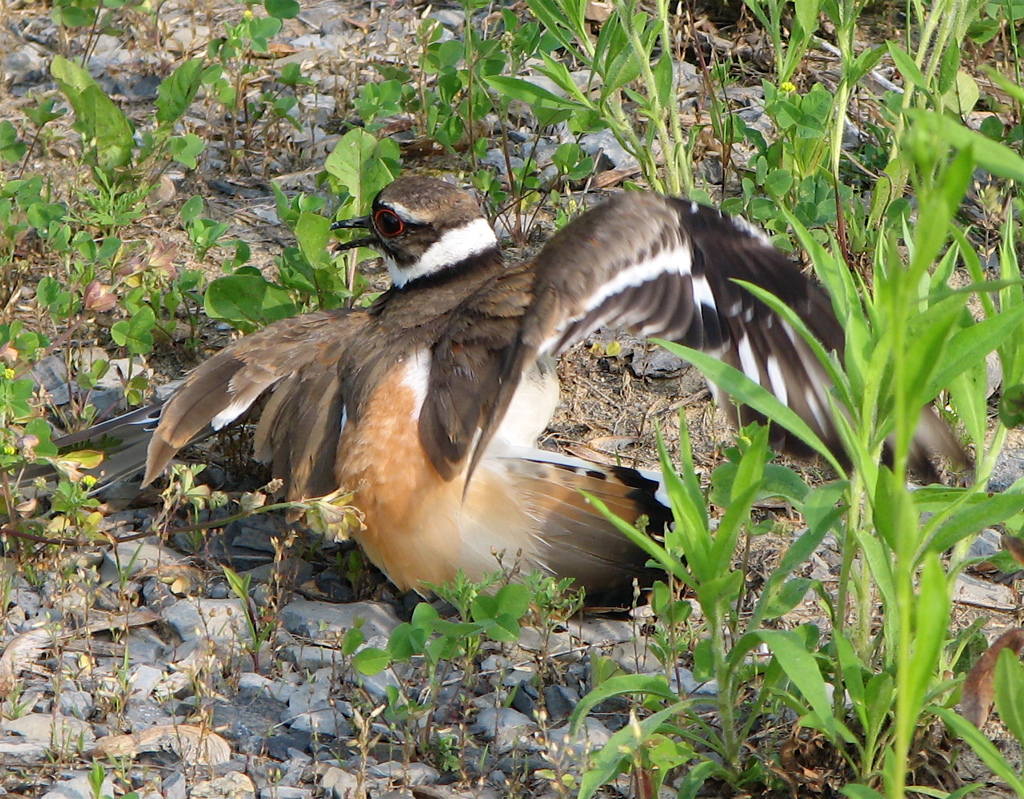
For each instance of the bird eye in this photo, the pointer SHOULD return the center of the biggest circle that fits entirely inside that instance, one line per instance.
(388, 223)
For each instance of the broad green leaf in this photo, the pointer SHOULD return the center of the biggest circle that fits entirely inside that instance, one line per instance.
(313, 233)
(186, 149)
(105, 129)
(248, 301)
(982, 747)
(931, 622)
(282, 9)
(905, 64)
(861, 792)
(962, 96)
(136, 333)
(370, 661)
(1009, 692)
(178, 90)
(777, 481)
(642, 684)
(994, 157)
(607, 761)
(362, 165)
(790, 650)
(1011, 406)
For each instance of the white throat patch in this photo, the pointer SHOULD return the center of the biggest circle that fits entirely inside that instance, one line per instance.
(453, 247)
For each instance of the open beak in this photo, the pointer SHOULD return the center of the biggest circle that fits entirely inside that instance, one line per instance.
(358, 222)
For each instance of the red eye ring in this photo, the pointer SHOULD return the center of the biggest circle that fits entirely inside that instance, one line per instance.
(388, 223)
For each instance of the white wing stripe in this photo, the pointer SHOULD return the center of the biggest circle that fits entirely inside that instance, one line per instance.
(748, 362)
(777, 380)
(702, 293)
(674, 260)
(231, 412)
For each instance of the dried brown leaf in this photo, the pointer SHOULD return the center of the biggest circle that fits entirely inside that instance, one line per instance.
(979, 692)
(1014, 546)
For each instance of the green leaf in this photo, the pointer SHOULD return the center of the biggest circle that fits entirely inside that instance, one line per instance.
(905, 64)
(1011, 406)
(642, 684)
(982, 747)
(996, 158)
(932, 621)
(362, 166)
(777, 481)
(370, 661)
(178, 90)
(282, 9)
(962, 96)
(744, 390)
(789, 594)
(800, 666)
(861, 792)
(530, 93)
(11, 150)
(974, 518)
(313, 233)
(106, 132)
(186, 149)
(247, 301)
(136, 333)
(1009, 692)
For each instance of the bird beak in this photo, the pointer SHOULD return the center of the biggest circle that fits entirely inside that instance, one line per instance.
(358, 222)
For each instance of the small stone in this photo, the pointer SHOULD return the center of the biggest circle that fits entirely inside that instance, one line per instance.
(496, 160)
(560, 702)
(606, 151)
(143, 680)
(409, 774)
(79, 787)
(289, 745)
(655, 364)
(524, 699)
(27, 600)
(590, 737)
(451, 18)
(601, 632)
(1009, 469)
(322, 620)
(220, 620)
(972, 592)
(986, 545)
(339, 784)
(506, 727)
(327, 721)
(174, 786)
(234, 784)
(285, 792)
(62, 734)
(51, 374)
(137, 556)
(23, 752)
(76, 703)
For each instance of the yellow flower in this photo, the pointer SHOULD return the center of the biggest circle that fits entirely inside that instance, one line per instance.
(787, 86)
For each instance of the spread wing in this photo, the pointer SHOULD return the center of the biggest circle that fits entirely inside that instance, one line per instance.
(300, 425)
(666, 267)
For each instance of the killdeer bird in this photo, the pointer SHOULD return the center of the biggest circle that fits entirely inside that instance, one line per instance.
(428, 403)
